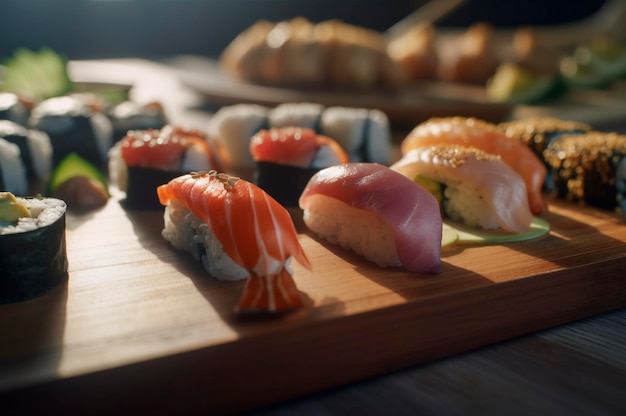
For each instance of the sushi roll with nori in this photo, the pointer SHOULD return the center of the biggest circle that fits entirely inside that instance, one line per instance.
(589, 168)
(130, 115)
(12, 170)
(33, 255)
(288, 157)
(11, 108)
(538, 132)
(35, 148)
(233, 126)
(145, 159)
(364, 134)
(305, 115)
(73, 127)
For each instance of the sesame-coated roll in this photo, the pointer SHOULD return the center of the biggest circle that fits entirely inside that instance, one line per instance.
(589, 168)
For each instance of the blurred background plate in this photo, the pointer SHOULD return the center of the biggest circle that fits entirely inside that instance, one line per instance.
(407, 106)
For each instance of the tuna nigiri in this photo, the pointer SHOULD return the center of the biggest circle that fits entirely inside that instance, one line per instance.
(474, 187)
(237, 231)
(144, 159)
(376, 212)
(487, 137)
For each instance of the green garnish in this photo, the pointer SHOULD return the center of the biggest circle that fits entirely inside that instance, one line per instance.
(469, 235)
(432, 186)
(36, 75)
(71, 166)
(513, 84)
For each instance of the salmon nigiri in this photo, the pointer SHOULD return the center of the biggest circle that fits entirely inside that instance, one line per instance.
(473, 187)
(483, 135)
(237, 231)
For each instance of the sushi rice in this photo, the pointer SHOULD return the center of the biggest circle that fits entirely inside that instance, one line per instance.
(187, 232)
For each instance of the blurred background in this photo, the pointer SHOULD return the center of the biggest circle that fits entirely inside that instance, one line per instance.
(88, 29)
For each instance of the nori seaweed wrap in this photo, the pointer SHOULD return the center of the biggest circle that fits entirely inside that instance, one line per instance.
(73, 127)
(284, 183)
(35, 148)
(130, 115)
(538, 132)
(589, 168)
(33, 257)
(11, 108)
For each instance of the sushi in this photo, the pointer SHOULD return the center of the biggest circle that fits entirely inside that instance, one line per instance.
(300, 53)
(473, 187)
(472, 132)
(538, 132)
(287, 157)
(35, 149)
(12, 109)
(81, 185)
(73, 127)
(33, 255)
(376, 212)
(130, 115)
(236, 231)
(13, 177)
(364, 134)
(145, 159)
(473, 57)
(233, 126)
(589, 168)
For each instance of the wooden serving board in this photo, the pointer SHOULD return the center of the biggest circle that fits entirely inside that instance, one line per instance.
(141, 323)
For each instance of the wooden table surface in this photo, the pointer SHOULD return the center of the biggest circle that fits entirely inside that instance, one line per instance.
(576, 368)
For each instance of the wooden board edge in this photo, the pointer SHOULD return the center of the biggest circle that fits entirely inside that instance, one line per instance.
(260, 371)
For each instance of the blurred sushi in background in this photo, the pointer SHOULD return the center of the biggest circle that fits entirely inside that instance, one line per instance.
(35, 149)
(73, 127)
(13, 176)
(11, 108)
(364, 134)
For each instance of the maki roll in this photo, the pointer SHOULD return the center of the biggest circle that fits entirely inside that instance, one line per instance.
(296, 114)
(538, 132)
(589, 168)
(233, 126)
(12, 170)
(11, 108)
(73, 127)
(80, 184)
(145, 159)
(287, 157)
(130, 115)
(363, 133)
(33, 256)
(35, 148)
